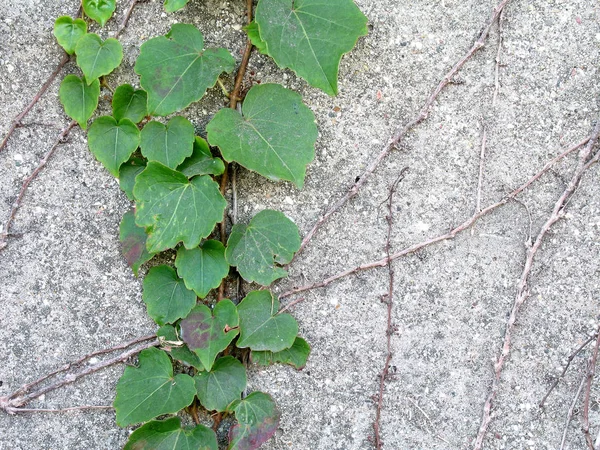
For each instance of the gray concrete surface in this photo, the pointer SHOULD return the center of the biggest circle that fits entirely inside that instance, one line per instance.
(65, 290)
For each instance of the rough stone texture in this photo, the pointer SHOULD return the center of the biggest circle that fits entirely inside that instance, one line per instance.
(65, 290)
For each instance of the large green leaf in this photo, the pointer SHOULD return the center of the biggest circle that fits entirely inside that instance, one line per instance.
(68, 32)
(99, 10)
(258, 420)
(310, 36)
(222, 385)
(150, 390)
(202, 161)
(168, 144)
(208, 332)
(96, 57)
(175, 5)
(129, 103)
(127, 173)
(79, 98)
(112, 142)
(261, 327)
(133, 242)
(169, 435)
(173, 208)
(166, 296)
(202, 268)
(175, 69)
(256, 249)
(178, 352)
(296, 356)
(275, 135)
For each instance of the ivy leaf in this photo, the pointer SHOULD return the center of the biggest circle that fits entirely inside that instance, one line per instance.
(128, 103)
(112, 142)
(96, 57)
(151, 390)
(310, 37)
(296, 356)
(127, 173)
(180, 353)
(258, 420)
(269, 238)
(175, 69)
(275, 135)
(261, 328)
(174, 5)
(202, 268)
(169, 435)
(202, 161)
(133, 242)
(169, 144)
(173, 208)
(79, 98)
(99, 10)
(209, 333)
(68, 32)
(253, 34)
(222, 385)
(166, 296)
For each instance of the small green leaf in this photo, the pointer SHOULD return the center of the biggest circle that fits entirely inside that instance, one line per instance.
(208, 332)
(269, 239)
(99, 10)
(275, 135)
(97, 58)
(128, 103)
(202, 268)
(169, 144)
(174, 5)
(296, 356)
(133, 242)
(202, 161)
(261, 328)
(310, 37)
(222, 385)
(68, 32)
(127, 173)
(258, 420)
(150, 390)
(169, 435)
(112, 142)
(253, 34)
(180, 353)
(173, 208)
(166, 296)
(176, 71)
(79, 98)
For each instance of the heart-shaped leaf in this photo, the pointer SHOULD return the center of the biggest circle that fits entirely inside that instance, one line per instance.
(202, 268)
(150, 390)
(68, 32)
(169, 144)
(99, 10)
(258, 420)
(173, 208)
(127, 173)
(222, 385)
(166, 296)
(208, 332)
(261, 327)
(175, 5)
(133, 242)
(178, 352)
(175, 69)
(128, 103)
(269, 238)
(112, 142)
(275, 135)
(79, 98)
(296, 356)
(97, 58)
(310, 37)
(169, 435)
(202, 161)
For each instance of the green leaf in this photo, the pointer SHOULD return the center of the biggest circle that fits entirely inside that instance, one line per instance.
(127, 173)
(99, 10)
(261, 328)
(112, 142)
(275, 135)
(169, 435)
(253, 34)
(296, 356)
(180, 353)
(310, 37)
(128, 103)
(169, 144)
(166, 296)
(269, 239)
(133, 242)
(202, 161)
(173, 208)
(222, 385)
(175, 69)
(79, 98)
(68, 32)
(258, 420)
(97, 58)
(202, 268)
(150, 390)
(175, 5)
(207, 332)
